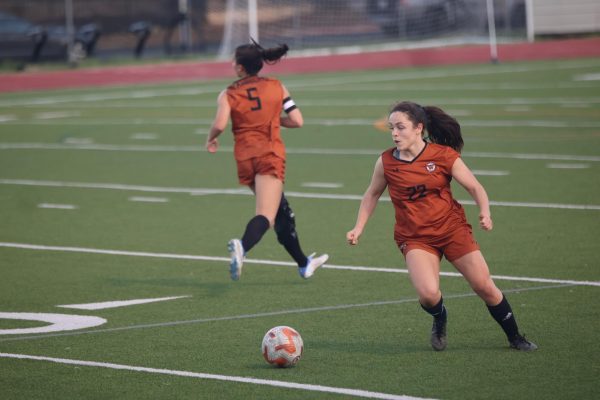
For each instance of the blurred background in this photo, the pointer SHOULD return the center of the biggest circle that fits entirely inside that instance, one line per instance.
(71, 30)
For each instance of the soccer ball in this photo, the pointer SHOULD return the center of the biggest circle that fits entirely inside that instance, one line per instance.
(282, 346)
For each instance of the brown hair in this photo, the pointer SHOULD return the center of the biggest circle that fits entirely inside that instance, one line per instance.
(251, 56)
(441, 127)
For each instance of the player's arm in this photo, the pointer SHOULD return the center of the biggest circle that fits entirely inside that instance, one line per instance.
(465, 177)
(369, 202)
(219, 123)
(294, 118)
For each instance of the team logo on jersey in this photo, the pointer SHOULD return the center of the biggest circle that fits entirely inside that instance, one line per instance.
(430, 166)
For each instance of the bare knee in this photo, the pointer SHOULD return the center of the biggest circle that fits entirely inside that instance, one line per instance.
(429, 297)
(487, 290)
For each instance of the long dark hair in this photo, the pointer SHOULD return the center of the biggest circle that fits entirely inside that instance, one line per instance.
(441, 127)
(251, 56)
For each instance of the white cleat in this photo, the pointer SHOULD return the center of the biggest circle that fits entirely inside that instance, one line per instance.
(236, 251)
(312, 265)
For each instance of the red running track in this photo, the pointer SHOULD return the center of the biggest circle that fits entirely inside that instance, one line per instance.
(188, 71)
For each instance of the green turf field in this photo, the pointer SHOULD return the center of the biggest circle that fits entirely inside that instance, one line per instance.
(108, 195)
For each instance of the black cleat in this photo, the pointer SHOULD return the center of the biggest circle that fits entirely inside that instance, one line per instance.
(438, 334)
(520, 343)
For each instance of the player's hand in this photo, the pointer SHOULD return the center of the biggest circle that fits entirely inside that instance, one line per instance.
(352, 236)
(485, 222)
(212, 145)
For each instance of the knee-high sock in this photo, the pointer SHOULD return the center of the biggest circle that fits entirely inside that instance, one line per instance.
(438, 311)
(255, 229)
(504, 316)
(285, 227)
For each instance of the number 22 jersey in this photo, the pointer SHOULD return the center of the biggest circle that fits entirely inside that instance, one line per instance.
(421, 194)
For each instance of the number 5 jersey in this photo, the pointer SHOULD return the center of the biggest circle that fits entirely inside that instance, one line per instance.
(256, 104)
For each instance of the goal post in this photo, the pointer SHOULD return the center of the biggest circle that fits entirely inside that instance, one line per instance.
(325, 27)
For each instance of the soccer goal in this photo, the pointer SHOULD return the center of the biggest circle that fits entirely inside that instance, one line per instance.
(321, 27)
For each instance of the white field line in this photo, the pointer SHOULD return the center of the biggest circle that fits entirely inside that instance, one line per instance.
(239, 379)
(323, 185)
(587, 77)
(567, 166)
(366, 122)
(141, 199)
(484, 172)
(56, 114)
(290, 150)
(57, 206)
(298, 84)
(28, 246)
(266, 314)
(119, 303)
(246, 192)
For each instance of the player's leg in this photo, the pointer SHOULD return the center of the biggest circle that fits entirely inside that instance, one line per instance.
(424, 270)
(476, 271)
(285, 228)
(267, 190)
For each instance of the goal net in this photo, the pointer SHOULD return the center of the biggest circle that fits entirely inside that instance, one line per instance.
(349, 25)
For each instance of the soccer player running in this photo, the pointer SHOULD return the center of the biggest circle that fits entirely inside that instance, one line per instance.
(430, 223)
(255, 105)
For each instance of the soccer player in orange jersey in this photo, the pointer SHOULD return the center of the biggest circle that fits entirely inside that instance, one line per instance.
(255, 105)
(430, 223)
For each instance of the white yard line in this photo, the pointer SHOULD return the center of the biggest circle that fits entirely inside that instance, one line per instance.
(335, 307)
(246, 192)
(289, 150)
(194, 89)
(28, 246)
(366, 122)
(238, 379)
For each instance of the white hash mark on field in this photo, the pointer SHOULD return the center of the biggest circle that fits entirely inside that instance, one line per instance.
(239, 379)
(58, 206)
(119, 303)
(149, 199)
(323, 185)
(567, 166)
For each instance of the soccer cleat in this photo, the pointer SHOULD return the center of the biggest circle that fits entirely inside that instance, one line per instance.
(312, 265)
(438, 334)
(520, 343)
(236, 251)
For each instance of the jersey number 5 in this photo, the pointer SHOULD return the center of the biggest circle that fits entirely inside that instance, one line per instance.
(252, 96)
(416, 192)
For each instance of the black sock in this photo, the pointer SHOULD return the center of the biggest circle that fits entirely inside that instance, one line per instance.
(438, 311)
(255, 230)
(285, 227)
(504, 316)
(292, 246)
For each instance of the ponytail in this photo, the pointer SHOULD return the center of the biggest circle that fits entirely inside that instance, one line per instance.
(251, 56)
(441, 127)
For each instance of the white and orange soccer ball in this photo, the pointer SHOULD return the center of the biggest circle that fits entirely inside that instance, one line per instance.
(282, 346)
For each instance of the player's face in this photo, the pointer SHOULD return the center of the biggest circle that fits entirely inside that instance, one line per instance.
(405, 134)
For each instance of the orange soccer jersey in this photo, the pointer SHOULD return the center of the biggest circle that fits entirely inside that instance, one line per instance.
(421, 194)
(256, 104)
